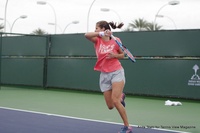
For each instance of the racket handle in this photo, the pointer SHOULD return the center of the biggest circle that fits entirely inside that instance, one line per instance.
(113, 37)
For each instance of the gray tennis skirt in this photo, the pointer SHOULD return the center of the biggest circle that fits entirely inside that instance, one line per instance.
(106, 79)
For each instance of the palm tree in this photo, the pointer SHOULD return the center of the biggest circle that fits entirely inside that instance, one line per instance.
(142, 25)
(1, 27)
(150, 27)
(39, 32)
(139, 24)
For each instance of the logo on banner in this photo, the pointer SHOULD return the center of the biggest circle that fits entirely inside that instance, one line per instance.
(195, 79)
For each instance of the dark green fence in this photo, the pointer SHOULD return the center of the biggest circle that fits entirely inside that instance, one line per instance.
(23, 59)
(163, 43)
(163, 77)
(167, 62)
(71, 45)
(73, 73)
(22, 71)
(24, 46)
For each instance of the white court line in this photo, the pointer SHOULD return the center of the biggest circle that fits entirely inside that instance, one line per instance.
(77, 118)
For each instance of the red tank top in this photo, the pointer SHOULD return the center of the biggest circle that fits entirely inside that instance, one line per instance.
(102, 48)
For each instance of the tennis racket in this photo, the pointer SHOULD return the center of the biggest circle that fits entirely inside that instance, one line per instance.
(126, 51)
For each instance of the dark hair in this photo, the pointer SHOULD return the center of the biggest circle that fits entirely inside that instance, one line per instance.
(106, 25)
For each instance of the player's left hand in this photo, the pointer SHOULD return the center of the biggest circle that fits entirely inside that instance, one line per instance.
(111, 55)
(107, 33)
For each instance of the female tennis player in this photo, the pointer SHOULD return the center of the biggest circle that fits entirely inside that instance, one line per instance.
(112, 78)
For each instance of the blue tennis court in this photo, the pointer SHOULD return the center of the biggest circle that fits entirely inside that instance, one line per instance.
(23, 121)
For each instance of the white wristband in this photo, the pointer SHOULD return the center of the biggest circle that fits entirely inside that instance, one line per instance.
(101, 34)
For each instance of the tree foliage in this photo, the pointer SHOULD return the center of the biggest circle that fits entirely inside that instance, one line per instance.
(39, 32)
(142, 25)
(1, 27)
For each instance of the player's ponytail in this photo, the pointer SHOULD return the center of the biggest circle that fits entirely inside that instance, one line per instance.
(114, 25)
